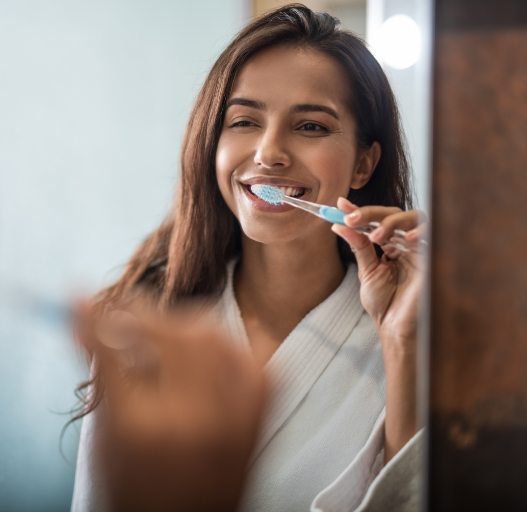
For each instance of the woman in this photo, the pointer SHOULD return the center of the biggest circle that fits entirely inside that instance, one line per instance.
(297, 103)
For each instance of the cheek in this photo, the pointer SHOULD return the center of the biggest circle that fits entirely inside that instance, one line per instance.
(231, 154)
(222, 156)
(335, 165)
(224, 168)
(233, 157)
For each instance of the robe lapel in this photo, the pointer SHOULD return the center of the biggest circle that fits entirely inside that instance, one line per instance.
(305, 353)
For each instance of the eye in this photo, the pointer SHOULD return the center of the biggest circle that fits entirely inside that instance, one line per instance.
(242, 123)
(313, 127)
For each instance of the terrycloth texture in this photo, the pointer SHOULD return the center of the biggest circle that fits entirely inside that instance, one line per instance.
(397, 487)
(321, 445)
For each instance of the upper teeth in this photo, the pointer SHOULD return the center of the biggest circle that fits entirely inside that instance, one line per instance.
(290, 191)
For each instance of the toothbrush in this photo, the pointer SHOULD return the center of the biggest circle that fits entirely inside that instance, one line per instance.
(273, 195)
(50, 311)
(53, 313)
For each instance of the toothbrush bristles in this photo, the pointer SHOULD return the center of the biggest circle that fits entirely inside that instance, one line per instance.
(268, 193)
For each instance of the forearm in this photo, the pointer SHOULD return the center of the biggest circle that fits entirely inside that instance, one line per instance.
(401, 401)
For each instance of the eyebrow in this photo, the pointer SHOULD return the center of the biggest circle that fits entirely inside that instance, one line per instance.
(304, 107)
(244, 102)
(308, 107)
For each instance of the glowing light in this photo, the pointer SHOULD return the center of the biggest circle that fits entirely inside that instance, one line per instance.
(398, 42)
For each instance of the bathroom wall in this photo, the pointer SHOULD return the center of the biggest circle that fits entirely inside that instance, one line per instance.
(94, 98)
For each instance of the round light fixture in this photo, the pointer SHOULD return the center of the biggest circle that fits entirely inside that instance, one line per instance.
(398, 42)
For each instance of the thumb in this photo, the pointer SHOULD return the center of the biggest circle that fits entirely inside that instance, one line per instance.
(359, 243)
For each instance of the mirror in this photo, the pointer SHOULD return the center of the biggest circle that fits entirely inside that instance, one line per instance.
(94, 106)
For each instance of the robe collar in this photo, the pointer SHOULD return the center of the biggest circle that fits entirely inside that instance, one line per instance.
(305, 353)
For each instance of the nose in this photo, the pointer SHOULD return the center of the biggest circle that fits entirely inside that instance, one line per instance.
(271, 151)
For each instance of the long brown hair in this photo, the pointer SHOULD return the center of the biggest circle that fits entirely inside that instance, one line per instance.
(187, 255)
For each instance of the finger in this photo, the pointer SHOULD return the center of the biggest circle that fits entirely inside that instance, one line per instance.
(395, 224)
(119, 329)
(367, 259)
(418, 233)
(346, 205)
(359, 243)
(367, 214)
(390, 253)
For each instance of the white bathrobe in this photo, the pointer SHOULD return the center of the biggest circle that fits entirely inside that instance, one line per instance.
(321, 445)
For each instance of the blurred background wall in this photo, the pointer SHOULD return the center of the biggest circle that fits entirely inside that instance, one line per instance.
(94, 99)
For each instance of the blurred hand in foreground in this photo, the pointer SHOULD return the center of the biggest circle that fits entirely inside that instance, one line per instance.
(181, 409)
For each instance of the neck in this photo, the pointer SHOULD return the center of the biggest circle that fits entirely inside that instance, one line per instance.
(276, 285)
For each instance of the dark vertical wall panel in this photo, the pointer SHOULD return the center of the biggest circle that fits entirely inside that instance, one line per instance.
(478, 381)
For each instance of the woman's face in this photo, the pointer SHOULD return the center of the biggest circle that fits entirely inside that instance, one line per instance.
(287, 124)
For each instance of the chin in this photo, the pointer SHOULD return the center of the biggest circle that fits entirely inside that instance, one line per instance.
(269, 232)
(280, 231)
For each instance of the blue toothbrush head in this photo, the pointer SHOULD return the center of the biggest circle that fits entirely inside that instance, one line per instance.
(269, 194)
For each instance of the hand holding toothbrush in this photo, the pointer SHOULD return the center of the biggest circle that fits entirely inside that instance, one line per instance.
(391, 284)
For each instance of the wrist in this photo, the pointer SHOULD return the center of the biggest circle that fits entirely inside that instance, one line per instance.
(399, 348)
(398, 335)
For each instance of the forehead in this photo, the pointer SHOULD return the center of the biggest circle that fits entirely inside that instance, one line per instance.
(294, 74)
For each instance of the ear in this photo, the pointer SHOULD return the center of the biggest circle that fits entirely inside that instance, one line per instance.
(367, 160)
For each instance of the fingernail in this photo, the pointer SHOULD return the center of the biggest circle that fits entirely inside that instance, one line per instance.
(353, 216)
(344, 204)
(347, 200)
(377, 233)
(411, 236)
(336, 228)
